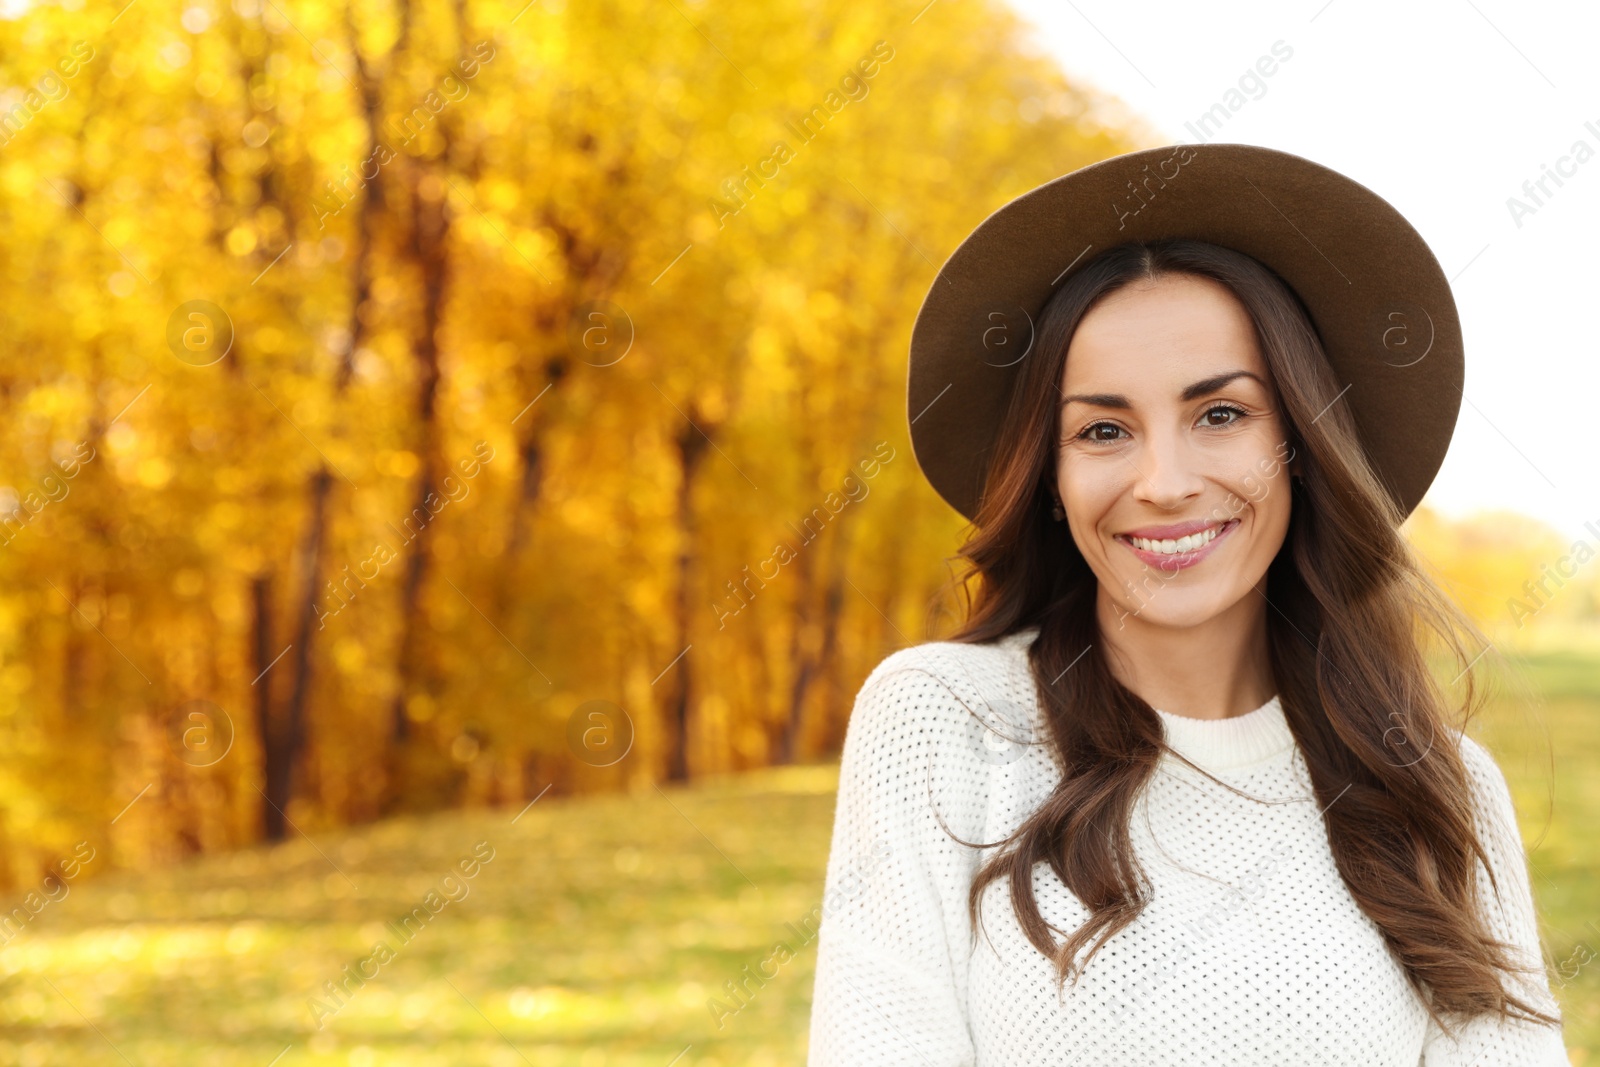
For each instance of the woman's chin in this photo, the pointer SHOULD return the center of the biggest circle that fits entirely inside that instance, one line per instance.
(1175, 609)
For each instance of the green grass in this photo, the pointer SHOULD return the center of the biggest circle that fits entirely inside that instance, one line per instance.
(596, 934)
(1544, 730)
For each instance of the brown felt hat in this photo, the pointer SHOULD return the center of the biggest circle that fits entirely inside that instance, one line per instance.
(1377, 296)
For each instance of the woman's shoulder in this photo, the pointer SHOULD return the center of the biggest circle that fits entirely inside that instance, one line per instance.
(1480, 762)
(977, 696)
(939, 727)
(963, 667)
(1491, 791)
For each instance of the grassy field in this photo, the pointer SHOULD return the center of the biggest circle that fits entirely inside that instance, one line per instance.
(594, 933)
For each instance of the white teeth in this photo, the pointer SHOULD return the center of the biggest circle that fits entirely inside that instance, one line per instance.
(1182, 544)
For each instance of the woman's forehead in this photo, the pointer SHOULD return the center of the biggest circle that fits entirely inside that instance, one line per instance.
(1176, 327)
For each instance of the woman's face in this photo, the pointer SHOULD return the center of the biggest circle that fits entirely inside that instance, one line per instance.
(1173, 463)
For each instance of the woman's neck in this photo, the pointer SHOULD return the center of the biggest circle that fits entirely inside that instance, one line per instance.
(1215, 670)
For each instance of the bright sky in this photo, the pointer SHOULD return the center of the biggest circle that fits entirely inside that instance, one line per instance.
(1444, 108)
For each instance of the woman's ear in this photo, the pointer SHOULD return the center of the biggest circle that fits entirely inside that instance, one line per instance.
(1296, 468)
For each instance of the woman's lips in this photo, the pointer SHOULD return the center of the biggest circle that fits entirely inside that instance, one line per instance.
(1176, 561)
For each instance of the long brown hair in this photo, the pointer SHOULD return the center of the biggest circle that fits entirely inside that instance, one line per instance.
(1349, 608)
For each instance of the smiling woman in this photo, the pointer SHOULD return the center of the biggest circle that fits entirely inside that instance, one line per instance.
(1198, 419)
(1193, 594)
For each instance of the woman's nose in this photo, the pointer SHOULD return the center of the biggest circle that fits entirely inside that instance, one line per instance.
(1168, 476)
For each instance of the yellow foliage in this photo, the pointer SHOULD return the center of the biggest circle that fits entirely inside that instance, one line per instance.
(402, 426)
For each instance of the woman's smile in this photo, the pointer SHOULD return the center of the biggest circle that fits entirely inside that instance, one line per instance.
(1176, 547)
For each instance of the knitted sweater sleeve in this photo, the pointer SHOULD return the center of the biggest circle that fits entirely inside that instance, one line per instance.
(892, 949)
(1489, 1041)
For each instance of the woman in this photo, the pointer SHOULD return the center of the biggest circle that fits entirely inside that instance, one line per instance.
(1182, 789)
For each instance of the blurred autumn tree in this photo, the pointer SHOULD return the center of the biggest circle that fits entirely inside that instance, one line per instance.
(524, 346)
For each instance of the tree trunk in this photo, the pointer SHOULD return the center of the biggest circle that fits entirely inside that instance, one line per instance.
(530, 453)
(260, 659)
(430, 230)
(282, 752)
(429, 248)
(691, 444)
(283, 757)
(815, 641)
(799, 649)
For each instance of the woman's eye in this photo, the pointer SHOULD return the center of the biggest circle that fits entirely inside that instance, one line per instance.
(1226, 410)
(1094, 433)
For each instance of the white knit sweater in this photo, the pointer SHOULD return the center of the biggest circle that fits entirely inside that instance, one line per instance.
(1251, 952)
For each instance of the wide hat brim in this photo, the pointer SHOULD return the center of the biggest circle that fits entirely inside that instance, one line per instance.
(1377, 296)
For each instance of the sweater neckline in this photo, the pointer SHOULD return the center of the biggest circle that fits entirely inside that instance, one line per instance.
(1214, 744)
(1226, 744)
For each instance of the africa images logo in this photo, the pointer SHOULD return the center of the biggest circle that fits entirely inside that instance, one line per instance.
(1141, 194)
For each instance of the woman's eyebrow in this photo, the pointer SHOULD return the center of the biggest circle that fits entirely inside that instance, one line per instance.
(1201, 388)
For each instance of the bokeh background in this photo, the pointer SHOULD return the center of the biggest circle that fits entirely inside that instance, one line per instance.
(455, 459)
